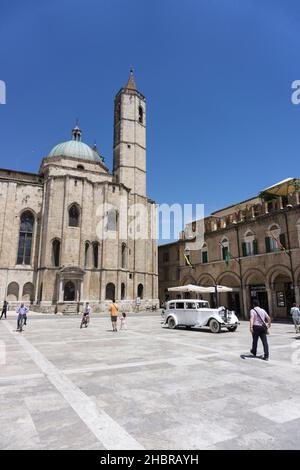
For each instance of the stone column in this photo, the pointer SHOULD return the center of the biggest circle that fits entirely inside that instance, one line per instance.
(297, 295)
(61, 291)
(266, 211)
(270, 302)
(246, 302)
(81, 290)
(280, 203)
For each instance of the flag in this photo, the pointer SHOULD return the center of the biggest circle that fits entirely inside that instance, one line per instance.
(188, 261)
(228, 256)
(279, 244)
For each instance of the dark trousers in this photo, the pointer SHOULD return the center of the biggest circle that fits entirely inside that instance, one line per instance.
(3, 313)
(260, 332)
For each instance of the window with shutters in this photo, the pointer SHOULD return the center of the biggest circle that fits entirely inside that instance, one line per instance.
(249, 245)
(273, 238)
(204, 254)
(224, 244)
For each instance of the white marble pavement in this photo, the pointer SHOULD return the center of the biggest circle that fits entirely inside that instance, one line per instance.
(145, 388)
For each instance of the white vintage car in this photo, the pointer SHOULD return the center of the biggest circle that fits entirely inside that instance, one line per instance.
(197, 313)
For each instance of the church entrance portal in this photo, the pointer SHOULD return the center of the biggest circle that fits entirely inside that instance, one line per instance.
(69, 292)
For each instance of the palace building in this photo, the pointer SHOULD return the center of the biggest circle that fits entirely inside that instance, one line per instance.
(71, 232)
(252, 247)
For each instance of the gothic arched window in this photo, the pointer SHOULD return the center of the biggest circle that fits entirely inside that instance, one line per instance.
(74, 215)
(123, 290)
(25, 238)
(123, 255)
(86, 254)
(141, 115)
(95, 254)
(56, 253)
(110, 291)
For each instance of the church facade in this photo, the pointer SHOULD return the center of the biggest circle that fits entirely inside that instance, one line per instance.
(74, 232)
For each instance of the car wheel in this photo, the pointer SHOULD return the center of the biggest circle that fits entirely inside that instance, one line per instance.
(171, 323)
(232, 328)
(214, 326)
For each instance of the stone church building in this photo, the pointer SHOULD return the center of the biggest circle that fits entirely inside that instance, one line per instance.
(71, 233)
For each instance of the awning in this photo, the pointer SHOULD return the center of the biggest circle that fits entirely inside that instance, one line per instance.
(219, 289)
(283, 188)
(200, 289)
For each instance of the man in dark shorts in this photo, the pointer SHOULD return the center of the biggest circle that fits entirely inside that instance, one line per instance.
(114, 310)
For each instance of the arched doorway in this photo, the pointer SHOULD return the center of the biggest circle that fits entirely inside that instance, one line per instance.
(13, 292)
(69, 291)
(283, 294)
(140, 291)
(256, 289)
(231, 300)
(110, 291)
(28, 292)
(206, 280)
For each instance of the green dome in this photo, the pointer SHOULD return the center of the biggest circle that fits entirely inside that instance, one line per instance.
(75, 149)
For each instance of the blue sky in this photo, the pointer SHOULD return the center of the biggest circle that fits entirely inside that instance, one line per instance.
(217, 76)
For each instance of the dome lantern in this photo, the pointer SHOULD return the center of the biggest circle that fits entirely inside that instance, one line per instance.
(76, 133)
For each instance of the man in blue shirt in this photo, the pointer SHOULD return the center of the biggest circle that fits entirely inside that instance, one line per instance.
(22, 311)
(295, 312)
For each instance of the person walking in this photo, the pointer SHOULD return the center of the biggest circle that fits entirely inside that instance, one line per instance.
(114, 309)
(86, 315)
(137, 304)
(22, 311)
(4, 310)
(260, 321)
(295, 312)
(123, 321)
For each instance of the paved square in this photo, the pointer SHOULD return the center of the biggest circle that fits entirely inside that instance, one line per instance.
(145, 388)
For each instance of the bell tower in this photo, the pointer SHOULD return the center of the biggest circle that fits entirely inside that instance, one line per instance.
(130, 138)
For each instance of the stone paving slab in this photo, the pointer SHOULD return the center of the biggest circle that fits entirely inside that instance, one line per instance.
(149, 387)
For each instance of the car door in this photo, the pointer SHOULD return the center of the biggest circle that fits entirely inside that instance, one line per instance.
(191, 313)
(205, 315)
(180, 312)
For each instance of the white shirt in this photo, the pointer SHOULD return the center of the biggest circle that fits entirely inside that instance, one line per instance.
(295, 312)
(87, 310)
(260, 316)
